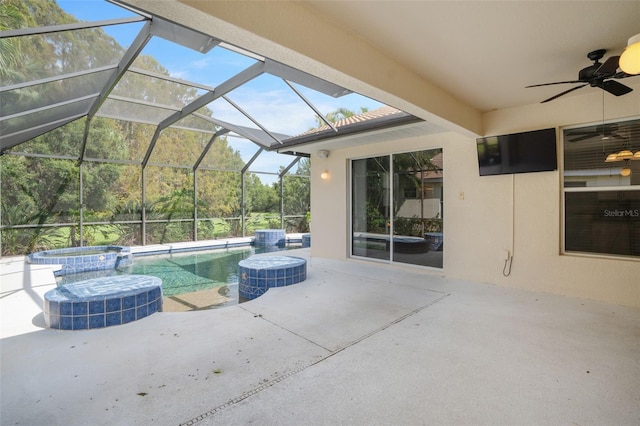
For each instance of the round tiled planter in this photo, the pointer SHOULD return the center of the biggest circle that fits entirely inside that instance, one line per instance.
(258, 274)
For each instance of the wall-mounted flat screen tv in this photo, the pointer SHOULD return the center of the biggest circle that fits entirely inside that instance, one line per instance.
(526, 152)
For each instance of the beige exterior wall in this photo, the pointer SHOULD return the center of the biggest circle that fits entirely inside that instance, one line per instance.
(484, 216)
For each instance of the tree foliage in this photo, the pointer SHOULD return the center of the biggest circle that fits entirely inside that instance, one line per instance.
(105, 184)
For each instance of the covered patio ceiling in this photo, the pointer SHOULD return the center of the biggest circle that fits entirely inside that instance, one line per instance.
(245, 95)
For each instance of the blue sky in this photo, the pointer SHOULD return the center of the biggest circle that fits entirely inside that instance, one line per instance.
(267, 99)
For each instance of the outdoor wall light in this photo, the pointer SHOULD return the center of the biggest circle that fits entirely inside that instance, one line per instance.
(629, 61)
(323, 153)
(324, 175)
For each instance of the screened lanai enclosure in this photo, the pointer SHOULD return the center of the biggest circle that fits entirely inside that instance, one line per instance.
(118, 127)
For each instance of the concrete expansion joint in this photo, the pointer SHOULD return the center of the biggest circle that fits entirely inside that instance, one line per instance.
(293, 372)
(285, 329)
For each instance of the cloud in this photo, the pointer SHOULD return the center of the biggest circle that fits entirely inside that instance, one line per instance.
(183, 75)
(200, 64)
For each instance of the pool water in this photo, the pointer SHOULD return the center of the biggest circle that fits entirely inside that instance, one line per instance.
(188, 278)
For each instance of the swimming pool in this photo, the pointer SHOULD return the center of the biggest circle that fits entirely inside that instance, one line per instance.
(190, 280)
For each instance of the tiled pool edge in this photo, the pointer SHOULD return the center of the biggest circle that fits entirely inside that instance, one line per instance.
(154, 249)
(74, 260)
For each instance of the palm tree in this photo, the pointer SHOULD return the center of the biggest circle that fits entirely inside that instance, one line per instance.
(13, 15)
(339, 114)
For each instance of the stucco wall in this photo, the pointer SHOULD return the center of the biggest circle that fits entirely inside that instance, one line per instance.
(484, 216)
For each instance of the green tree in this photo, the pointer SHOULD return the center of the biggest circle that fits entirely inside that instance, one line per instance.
(259, 197)
(37, 190)
(339, 114)
(13, 15)
(297, 189)
(297, 196)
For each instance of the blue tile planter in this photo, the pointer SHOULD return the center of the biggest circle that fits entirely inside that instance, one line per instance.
(258, 274)
(435, 240)
(409, 245)
(102, 302)
(270, 237)
(306, 240)
(83, 259)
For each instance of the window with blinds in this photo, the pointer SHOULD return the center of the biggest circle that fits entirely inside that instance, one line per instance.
(602, 189)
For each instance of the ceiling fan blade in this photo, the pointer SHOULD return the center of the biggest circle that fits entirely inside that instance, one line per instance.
(557, 82)
(599, 129)
(617, 136)
(609, 67)
(615, 88)
(563, 93)
(584, 137)
(572, 133)
(622, 74)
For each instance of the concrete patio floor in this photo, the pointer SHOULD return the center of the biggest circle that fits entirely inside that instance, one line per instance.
(357, 343)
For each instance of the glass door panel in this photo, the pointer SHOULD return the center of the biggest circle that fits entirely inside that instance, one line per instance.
(370, 206)
(417, 208)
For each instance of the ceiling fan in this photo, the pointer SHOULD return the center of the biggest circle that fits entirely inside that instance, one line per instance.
(601, 131)
(596, 75)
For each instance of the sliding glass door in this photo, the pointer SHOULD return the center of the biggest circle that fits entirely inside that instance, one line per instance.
(397, 206)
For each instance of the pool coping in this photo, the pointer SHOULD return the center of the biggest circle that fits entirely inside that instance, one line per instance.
(154, 249)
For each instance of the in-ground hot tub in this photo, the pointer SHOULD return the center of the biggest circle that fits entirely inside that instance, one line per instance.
(83, 259)
(258, 274)
(102, 302)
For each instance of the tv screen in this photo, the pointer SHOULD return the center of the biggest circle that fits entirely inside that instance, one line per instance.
(526, 152)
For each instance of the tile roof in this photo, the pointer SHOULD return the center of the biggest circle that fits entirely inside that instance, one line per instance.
(382, 112)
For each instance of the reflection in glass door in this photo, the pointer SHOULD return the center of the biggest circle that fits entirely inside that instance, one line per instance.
(417, 208)
(371, 195)
(397, 208)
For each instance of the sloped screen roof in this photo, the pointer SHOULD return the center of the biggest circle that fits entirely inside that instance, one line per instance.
(147, 70)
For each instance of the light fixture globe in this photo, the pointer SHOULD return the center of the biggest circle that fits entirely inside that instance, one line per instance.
(625, 154)
(625, 172)
(629, 61)
(612, 158)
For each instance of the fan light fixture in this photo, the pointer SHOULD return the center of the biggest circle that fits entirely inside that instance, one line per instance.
(630, 59)
(624, 155)
(612, 158)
